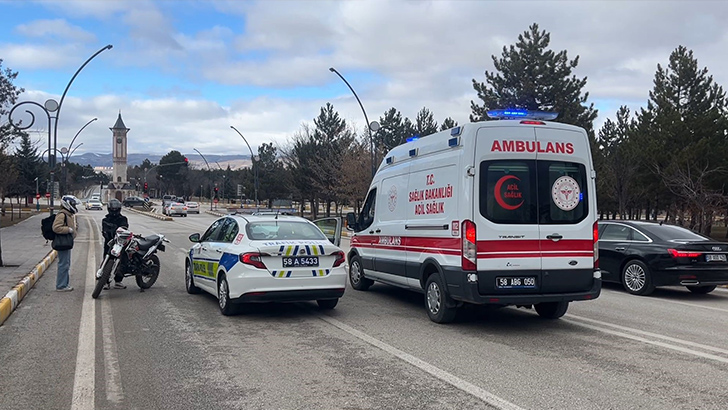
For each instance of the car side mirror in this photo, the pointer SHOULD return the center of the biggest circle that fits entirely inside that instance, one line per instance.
(351, 221)
(195, 237)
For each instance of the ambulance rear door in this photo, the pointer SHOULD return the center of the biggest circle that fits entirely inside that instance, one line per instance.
(505, 210)
(567, 210)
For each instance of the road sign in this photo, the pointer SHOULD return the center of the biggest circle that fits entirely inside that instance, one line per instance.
(215, 200)
(48, 194)
(37, 196)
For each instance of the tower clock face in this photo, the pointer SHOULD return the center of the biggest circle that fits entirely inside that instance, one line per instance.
(118, 140)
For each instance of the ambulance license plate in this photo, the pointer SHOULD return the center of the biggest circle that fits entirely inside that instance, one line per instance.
(300, 261)
(515, 282)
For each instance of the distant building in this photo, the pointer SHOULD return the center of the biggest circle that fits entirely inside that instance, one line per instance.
(119, 187)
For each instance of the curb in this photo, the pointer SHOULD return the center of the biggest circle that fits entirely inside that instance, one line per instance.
(153, 215)
(217, 213)
(11, 299)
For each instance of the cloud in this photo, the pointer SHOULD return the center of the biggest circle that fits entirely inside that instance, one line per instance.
(45, 56)
(57, 28)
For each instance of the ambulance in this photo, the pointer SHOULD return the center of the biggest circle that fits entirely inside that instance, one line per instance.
(499, 212)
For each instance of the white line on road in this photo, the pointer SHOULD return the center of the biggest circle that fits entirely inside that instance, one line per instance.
(85, 375)
(651, 342)
(453, 380)
(661, 300)
(114, 389)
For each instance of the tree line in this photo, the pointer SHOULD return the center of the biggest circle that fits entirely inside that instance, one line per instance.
(667, 159)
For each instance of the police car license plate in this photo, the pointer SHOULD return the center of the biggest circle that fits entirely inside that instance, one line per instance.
(300, 261)
(720, 257)
(515, 282)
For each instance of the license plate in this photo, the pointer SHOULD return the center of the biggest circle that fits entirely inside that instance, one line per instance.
(516, 282)
(720, 257)
(300, 261)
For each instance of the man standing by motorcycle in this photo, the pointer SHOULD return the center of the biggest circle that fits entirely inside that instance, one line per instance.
(111, 222)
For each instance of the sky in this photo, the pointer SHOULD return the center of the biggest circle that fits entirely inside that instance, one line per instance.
(182, 72)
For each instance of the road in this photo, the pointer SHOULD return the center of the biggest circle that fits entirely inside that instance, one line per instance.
(165, 349)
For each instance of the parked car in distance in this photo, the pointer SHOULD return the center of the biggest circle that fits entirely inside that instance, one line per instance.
(175, 208)
(267, 258)
(133, 201)
(643, 255)
(193, 207)
(94, 204)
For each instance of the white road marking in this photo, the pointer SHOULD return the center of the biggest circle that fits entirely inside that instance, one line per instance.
(651, 342)
(85, 375)
(114, 389)
(661, 300)
(453, 380)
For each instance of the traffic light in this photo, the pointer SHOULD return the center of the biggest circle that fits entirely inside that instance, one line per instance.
(146, 187)
(215, 190)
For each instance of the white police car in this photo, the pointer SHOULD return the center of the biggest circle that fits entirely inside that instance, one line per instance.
(268, 258)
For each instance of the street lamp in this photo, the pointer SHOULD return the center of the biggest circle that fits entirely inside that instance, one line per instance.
(373, 126)
(255, 169)
(52, 109)
(208, 168)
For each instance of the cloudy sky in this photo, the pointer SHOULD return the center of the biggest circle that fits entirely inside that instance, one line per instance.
(182, 73)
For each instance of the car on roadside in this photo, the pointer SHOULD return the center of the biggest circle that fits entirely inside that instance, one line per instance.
(643, 255)
(133, 201)
(94, 205)
(175, 208)
(193, 207)
(267, 258)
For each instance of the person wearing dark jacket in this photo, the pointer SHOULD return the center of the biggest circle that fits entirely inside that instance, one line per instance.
(65, 223)
(111, 222)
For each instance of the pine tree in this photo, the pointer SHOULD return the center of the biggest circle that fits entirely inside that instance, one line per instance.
(391, 133)
(425, 123)
(29, 166)
(531, 76)
(448, 123)
(682, 135)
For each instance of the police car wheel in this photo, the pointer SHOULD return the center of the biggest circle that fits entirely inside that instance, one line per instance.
(223, 297)
(551, 310)
(190, 281)
(356, 275)
(440, 307)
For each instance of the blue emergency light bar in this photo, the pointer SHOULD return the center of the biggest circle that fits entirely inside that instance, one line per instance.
(413, 138)
(522, 114)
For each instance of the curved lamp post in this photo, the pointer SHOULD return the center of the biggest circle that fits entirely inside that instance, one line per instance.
(52, 109)
(255, 169)
(373, 126)
(209, 169)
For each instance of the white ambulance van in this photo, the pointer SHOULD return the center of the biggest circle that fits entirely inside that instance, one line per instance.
(497, 212)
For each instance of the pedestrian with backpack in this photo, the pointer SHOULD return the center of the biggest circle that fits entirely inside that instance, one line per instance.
(64, 227)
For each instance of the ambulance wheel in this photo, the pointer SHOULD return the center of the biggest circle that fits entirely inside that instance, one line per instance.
(551, 310)
(327, 304)
(356, 275)
(440, 306)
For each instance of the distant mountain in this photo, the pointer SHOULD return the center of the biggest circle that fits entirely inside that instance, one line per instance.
(105, 160)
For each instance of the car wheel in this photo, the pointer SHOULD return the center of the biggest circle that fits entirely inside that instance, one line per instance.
(327, 304)
(636, 278)
(356, 275)
(701, 290)
(551, 310)
(440, 306)
(223, 297)
(190, 281)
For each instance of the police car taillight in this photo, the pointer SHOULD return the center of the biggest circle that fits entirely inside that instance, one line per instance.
(340, 258)
(253, 259)
(595, 239)
(469, 259)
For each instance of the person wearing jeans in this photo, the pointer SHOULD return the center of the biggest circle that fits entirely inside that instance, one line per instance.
(65, 223)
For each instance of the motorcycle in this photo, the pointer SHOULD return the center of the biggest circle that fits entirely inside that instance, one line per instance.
(134, 255)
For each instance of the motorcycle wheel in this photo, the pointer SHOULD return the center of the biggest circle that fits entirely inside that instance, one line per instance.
(104, 279)
(146, 281)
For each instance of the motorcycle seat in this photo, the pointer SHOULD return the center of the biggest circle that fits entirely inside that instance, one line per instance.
(148, 242)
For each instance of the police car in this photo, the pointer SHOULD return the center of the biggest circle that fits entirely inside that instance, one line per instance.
(267, 258)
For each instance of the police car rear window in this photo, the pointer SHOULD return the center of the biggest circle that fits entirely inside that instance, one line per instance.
(283, 230)
(529, 192)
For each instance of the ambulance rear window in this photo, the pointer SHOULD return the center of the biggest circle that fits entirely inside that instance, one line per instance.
(527, 192)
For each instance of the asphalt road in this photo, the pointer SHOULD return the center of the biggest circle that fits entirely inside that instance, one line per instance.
(165, 349)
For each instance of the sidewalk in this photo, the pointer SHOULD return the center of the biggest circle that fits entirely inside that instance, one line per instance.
(24, 252)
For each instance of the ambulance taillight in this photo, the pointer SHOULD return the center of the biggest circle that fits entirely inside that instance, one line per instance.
(470, 246)
(595, 239)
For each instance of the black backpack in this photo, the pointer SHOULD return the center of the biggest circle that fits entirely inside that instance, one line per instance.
(46, 227)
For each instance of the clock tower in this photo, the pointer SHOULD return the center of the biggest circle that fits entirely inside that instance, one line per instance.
(119, 132)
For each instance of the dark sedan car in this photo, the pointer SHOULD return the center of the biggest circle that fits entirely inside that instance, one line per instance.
(133, 201)
(642, 255)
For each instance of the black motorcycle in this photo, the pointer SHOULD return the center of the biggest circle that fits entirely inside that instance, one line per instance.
(135, 255)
